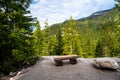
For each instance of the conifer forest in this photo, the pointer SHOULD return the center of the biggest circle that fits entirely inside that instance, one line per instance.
(21, 35)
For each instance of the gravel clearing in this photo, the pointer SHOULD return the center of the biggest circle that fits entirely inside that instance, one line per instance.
(45, 69)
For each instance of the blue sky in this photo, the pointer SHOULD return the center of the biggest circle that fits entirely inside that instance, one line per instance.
(57, 11)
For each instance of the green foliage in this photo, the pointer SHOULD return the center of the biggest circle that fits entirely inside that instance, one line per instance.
(107, 43)
(38, 39)
(117, 27)
(88, 41)
(118, 5)
(15, 32)
(94, 36)
(71, 38)
(47, 40)
(68, 37)
(58, 49)
(91, 37)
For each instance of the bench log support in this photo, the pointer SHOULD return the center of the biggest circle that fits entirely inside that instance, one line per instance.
(59, 63)
(73, 61)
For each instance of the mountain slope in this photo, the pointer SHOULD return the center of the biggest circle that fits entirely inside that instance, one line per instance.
(96, 14)
(95, 20)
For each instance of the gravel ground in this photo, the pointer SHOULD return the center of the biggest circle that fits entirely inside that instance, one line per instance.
(45, 69)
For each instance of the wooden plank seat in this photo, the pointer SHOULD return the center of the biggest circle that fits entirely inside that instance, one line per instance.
(71, 58)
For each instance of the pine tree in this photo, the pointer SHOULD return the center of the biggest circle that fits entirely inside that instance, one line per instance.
(107, 43)
(71, 38)
(87, 40)
(117, 27)
(14, 34)
(47, 37)
(58, 50)
(68, 40)
(118, 5)
(38, 38)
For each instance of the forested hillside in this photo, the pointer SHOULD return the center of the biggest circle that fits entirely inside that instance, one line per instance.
(94, 36)
(95, 20)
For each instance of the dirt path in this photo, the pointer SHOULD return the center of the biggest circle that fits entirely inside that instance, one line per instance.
(45, 69)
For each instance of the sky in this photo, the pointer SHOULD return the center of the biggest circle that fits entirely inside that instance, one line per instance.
(57, 11)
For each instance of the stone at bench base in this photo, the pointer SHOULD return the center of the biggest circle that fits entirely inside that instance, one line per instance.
(73, 61)
(59, 63)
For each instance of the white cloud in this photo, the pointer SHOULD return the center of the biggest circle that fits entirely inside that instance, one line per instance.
(59, 10)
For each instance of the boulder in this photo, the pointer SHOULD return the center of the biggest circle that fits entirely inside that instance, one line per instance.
(105, 63)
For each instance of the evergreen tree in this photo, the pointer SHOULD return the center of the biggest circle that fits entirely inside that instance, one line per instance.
(38, 38)
(118, 5)
(71, 38)
(14, 34)
(77, 44)
(107, 43)
(58, 50)
(117, 27)
(47, 37)
(68, 40)
(88, 41)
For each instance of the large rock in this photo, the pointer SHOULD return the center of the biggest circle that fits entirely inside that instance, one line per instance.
(45, 69)
(106, 63)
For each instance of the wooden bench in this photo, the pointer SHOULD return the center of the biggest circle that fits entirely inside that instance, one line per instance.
(71, 58)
